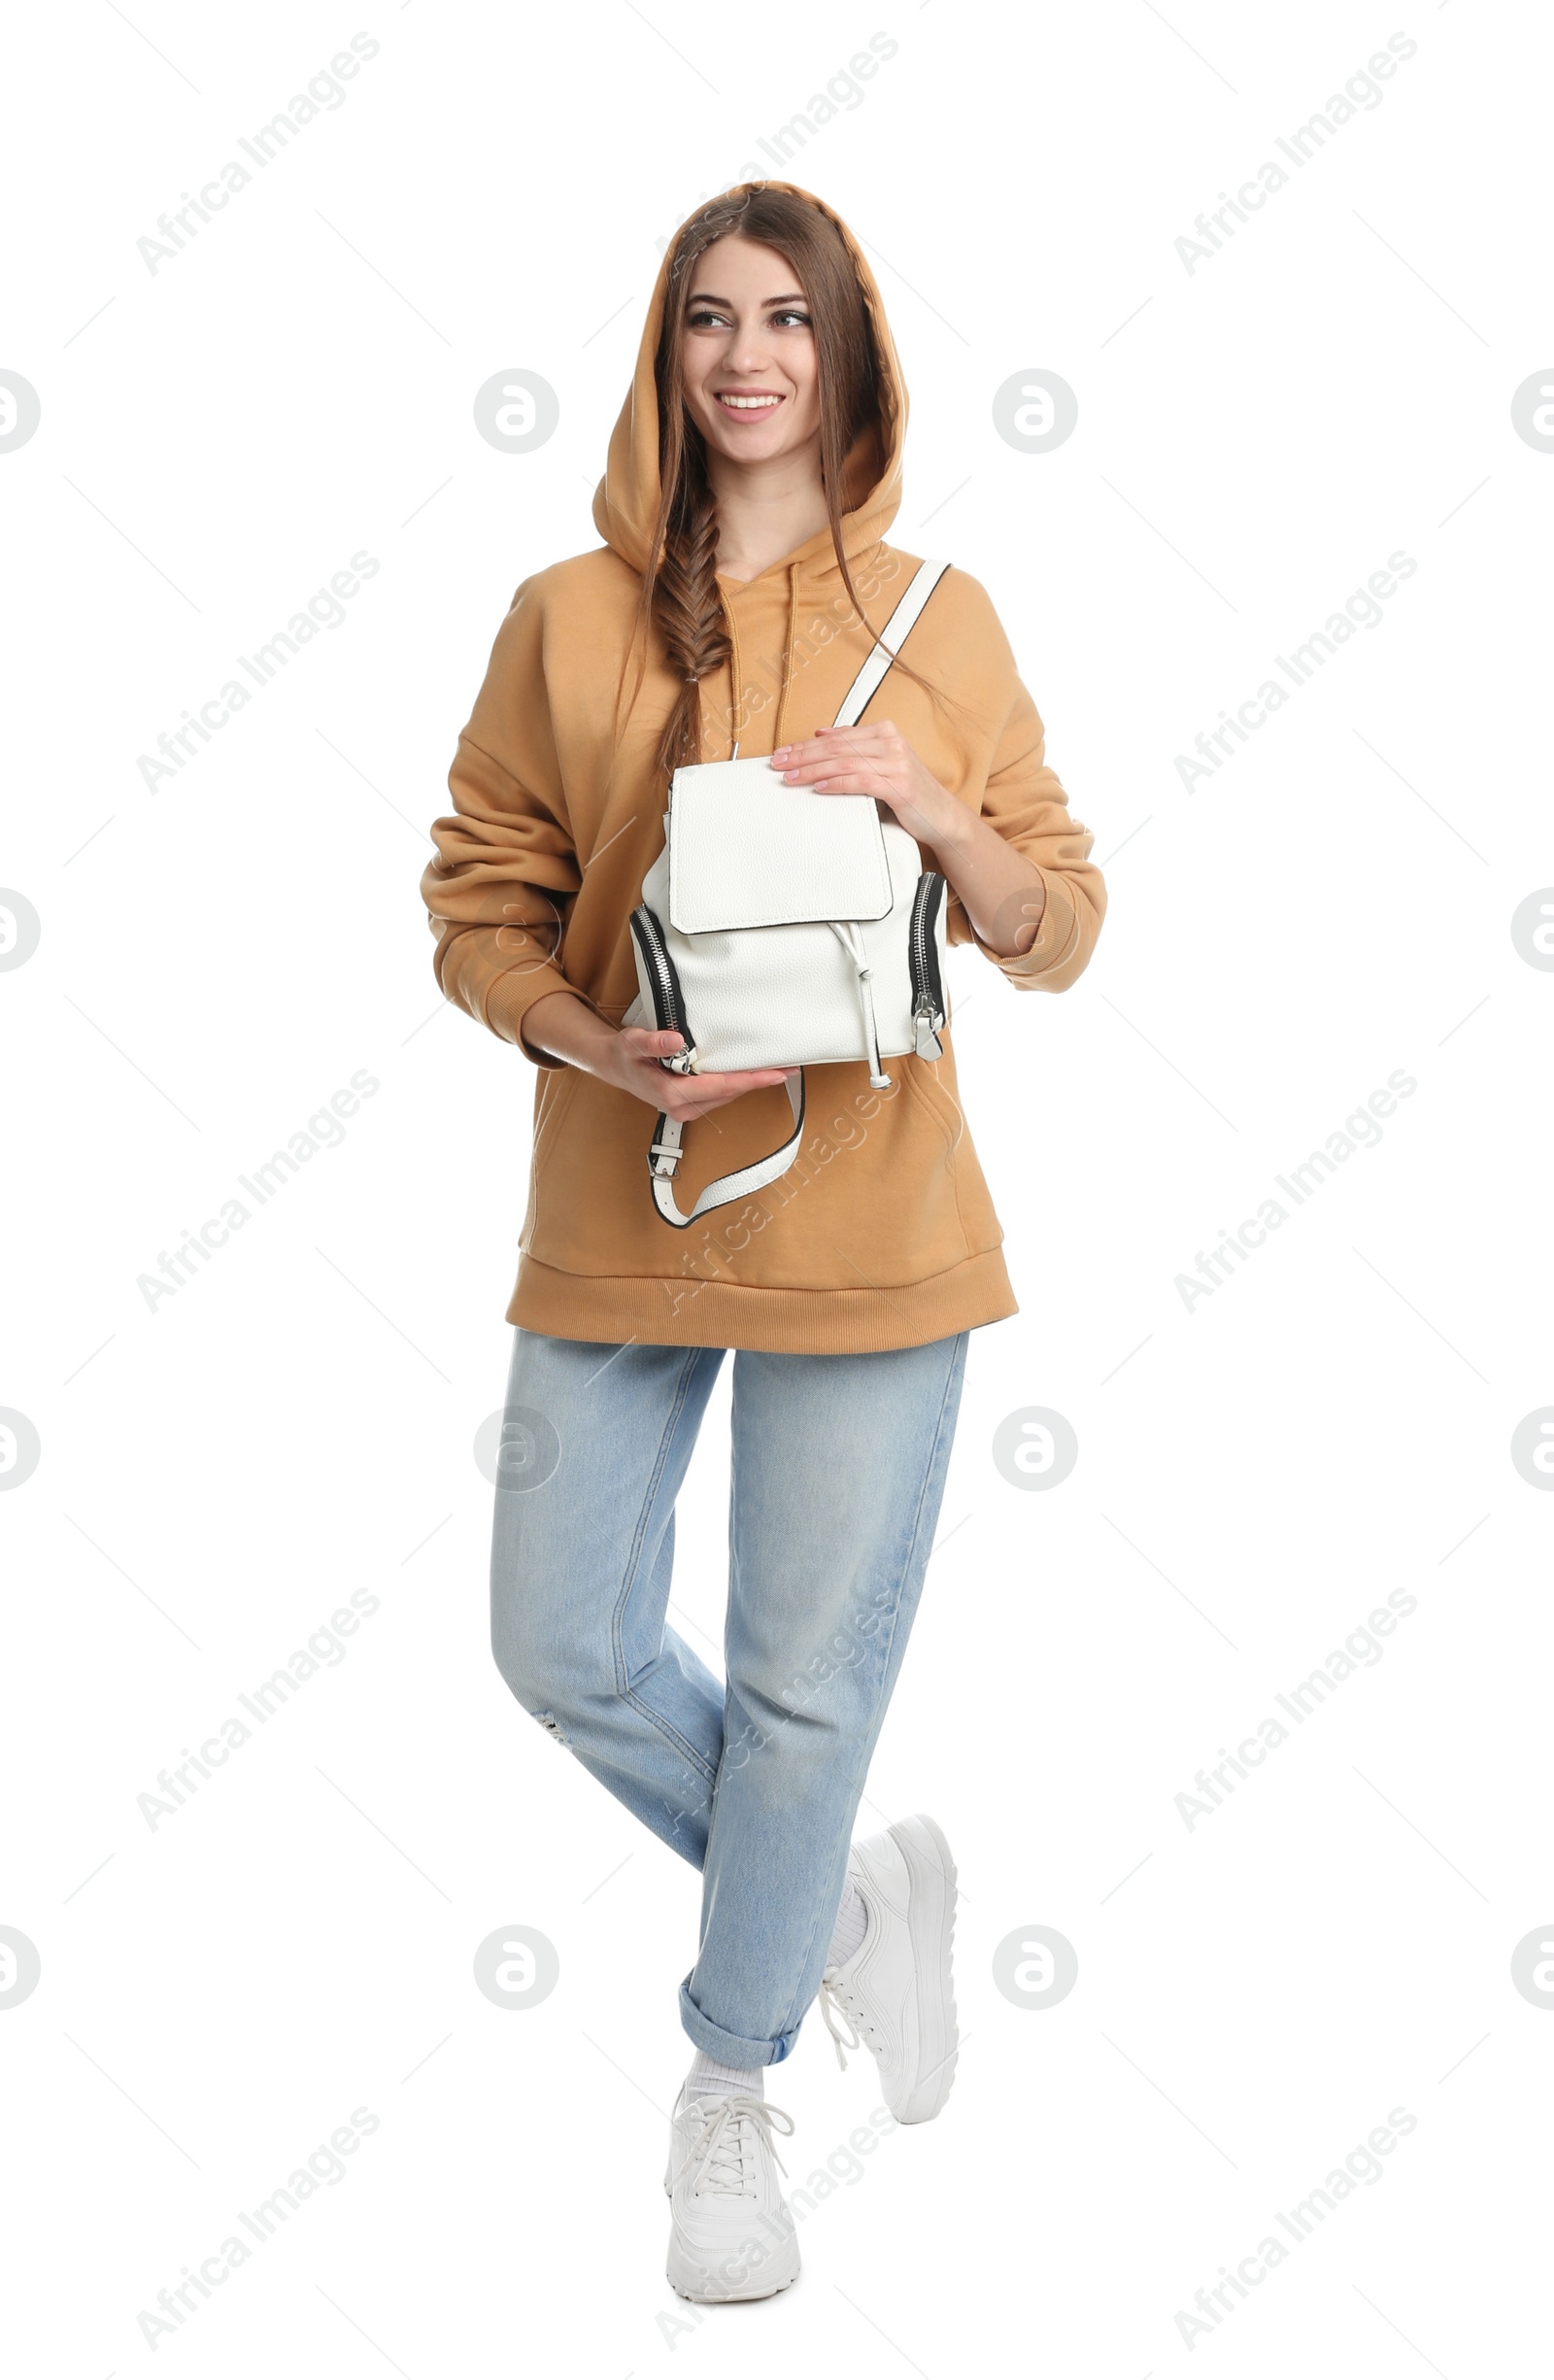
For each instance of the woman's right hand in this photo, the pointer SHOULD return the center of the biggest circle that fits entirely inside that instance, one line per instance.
(565, 1026)
(684, 1096)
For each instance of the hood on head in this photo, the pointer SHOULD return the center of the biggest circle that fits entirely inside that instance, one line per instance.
(625, 505)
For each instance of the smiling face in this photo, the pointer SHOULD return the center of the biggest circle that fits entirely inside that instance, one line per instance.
(750, 374)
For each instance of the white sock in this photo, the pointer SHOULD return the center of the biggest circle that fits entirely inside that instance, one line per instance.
(852, 1922)
(710, 2079)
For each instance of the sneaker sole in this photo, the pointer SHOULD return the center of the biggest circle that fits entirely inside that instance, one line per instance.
(691, 2286)
(931, 1923)
(749, 2296)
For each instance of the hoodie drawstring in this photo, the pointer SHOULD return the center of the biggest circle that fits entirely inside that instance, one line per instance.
(734, 675)
(787, 652)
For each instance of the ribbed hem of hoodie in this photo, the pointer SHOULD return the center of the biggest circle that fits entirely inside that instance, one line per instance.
(667, 1312)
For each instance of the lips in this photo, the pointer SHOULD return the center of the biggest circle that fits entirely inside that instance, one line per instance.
(752, 401)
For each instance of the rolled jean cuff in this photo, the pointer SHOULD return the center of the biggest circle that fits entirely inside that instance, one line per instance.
(730, 2048)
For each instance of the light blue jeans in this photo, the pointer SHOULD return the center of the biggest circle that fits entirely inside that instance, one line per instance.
(837, 1473)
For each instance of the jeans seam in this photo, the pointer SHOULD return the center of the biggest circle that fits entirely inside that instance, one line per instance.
(860, 1766)
(644, 1709)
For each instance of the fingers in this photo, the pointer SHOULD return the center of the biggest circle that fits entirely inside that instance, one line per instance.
(818, 755)
(686, 1097)
(872, 758)
(752, 1079)
(816, 748)
(734, 1085)
(826, 773)
(646, 1042)
(880, 736)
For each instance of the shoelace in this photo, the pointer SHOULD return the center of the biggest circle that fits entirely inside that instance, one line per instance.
(718, 2151)
(842, 2004)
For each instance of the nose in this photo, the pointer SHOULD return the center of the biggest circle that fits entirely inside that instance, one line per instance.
(746, 352)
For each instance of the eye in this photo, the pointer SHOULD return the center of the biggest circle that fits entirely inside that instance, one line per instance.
(701, 316)
(793, 314)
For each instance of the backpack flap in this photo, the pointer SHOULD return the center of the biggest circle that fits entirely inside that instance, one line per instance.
(745, 850)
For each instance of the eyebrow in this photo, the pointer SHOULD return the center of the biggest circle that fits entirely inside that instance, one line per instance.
(704, 298)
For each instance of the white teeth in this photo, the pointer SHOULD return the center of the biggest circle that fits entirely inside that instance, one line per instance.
(750, 405)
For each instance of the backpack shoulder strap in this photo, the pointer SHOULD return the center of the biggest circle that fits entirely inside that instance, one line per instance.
(899, 625)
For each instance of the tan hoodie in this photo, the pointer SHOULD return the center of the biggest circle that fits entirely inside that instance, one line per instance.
(882, 1235)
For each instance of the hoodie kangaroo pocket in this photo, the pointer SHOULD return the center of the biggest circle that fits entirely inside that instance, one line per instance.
(550, 1118)
(923, 1082)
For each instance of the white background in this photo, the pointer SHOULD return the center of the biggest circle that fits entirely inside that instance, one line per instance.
(1255, 438)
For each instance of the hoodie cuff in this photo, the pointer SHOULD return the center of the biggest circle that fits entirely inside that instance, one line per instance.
(510, 1000)
(1057, 938)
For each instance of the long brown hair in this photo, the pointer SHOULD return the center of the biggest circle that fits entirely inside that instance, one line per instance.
(680, 595)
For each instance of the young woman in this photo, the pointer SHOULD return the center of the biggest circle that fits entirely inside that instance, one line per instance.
(752, 475)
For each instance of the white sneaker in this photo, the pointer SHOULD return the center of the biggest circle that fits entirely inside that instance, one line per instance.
(895, 1994)
(730, 2234)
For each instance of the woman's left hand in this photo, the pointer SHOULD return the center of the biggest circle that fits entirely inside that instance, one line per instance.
(876, 759)
(1002, 892)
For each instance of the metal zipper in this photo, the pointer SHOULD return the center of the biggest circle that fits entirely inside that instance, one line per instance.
(928, 994)
(668, 1006)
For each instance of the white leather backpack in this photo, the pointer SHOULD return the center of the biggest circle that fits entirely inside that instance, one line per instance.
(781, 926)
